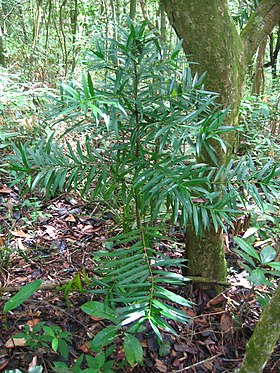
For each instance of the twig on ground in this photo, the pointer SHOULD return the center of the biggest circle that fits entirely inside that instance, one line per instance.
(196, 364)
(44, 286)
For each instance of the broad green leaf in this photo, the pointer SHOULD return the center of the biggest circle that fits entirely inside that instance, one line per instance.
(250, 232)
(23, 294)
(36, 369)
(55, 344)
(98, 309)
(100, 359)
(63, 348)
(257, 277)
(133, 350)
(61, 367)
(104, 337)
(267, 254)
(165, 348)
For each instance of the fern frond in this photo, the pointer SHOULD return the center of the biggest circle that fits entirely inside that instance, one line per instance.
(133, 275)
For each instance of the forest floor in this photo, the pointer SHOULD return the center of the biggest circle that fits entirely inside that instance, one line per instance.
(54, 241)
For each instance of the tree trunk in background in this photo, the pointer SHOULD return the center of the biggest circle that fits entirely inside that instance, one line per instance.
(2, 49)
(132, 8)
(162, 23)
(37, 23)
(48, 23)
(258, 83)
(273, 52)
(74, 26)
(64, 41)
(264, 338)
(211, 39)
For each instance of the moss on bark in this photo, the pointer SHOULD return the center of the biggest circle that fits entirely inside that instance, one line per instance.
(206, 257)
(210, 39)
(264, 338)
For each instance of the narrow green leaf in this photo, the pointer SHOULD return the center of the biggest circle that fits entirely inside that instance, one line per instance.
(275, 265)
(246, 247)
(23, 294)
(166, 294)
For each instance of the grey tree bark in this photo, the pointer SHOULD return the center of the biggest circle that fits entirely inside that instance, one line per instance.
(211, 39)
(264, 338)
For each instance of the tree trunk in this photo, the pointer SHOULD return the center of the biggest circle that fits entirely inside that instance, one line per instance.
(2, 49)
(215, 44)
(162, 23)
(74, 26)
(132, 8)
(273, 53)
(211, 39)
(258, 83)
(264, 338)
(37, 24)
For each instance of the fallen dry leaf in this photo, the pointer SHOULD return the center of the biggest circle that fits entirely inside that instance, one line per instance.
(226, 322)
(161, 366)
(218, 299)
(200, 320)
(208, 365)
(15, 342)
(5, 190)
(32, 323)
(50, 230)
(21, 234)
(84, 347)
(3, 363)
(70, 218)
(2, 242)
(33, 363)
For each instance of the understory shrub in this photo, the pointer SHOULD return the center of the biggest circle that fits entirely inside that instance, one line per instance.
(143, 121)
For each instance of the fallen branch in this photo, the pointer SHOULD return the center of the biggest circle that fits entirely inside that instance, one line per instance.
(206, 280)
(199, 363)
(44, 286)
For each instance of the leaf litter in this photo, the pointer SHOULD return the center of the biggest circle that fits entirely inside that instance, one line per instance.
(56, 246)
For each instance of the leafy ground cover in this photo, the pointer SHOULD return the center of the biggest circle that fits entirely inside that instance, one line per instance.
(54, 241)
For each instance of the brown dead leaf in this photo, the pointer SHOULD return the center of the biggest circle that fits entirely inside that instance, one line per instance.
(84, 348)
(191, 349)
(198, 200)
(226, 322)
(33, 363)
(2, 242)
(200, 320)
(95, 318)
(21, 234)
(161, 366)
(189, 311)
(5, 190)
(218, 299)
(32, 323)
(3, 362)
(208, 365)
(51, 231)
(91, 229)
(70, 218)
(15, 342)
